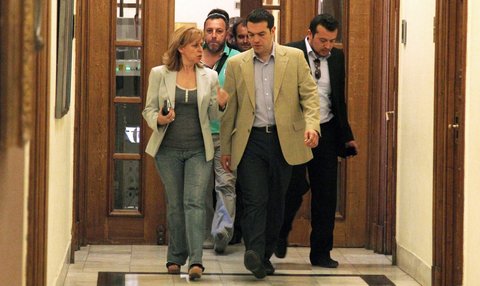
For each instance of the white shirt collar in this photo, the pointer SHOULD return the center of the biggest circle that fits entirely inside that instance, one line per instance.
(312, 53)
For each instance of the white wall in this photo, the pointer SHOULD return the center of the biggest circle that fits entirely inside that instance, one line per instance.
(415, 140)
(196, 11)
(60, 174)
(472, 149)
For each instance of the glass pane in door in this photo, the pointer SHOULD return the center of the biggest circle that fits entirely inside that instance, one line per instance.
(276, 15)
(334, 8)
(126, 184)
(128, 119)
(271, 2)
(129, 17)
(127, 71)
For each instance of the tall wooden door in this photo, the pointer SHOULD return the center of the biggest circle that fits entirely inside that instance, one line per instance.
(383, 126)
(354, 39)
(118, 194)
(449, 156)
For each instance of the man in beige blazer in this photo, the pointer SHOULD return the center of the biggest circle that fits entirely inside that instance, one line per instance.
(271, 123)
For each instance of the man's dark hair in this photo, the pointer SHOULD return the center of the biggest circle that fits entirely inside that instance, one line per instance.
(261, 15)
(325, 20)
(218, 13)
(240, 21)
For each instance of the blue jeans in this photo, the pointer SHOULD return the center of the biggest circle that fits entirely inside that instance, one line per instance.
(185, 175)
(224, 215)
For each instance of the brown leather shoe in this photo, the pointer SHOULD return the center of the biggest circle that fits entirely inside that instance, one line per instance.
(173, 268)
(195, 272)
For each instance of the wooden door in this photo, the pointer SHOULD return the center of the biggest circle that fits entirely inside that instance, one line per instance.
(383, 126)
(355, 16)
(118, 194)
(449, 145)
(23, 136)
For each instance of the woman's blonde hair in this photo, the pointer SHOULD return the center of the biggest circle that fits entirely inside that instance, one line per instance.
(181, 37)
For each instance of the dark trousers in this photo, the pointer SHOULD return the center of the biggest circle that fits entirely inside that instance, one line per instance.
(322, 173)
(264, 175)
(237, 225)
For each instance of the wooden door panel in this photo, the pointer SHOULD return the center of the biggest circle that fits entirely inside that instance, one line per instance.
(101, 222)
(356, 43)
(300, 233)
(449, 144)
(158, 27)
(96, 119)
(350, 225)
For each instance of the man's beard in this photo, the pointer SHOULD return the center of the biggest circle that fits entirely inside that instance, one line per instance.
(214, 51)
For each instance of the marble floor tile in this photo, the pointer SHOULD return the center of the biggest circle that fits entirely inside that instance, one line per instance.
(111, 249)
(81, 279)
(144, 265)
(147, 280)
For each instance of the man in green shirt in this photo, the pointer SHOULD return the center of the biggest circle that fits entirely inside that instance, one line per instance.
(221, 217)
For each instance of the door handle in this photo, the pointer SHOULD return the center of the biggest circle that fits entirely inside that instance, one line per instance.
(453, 126)
(388, 113)
(39, 42)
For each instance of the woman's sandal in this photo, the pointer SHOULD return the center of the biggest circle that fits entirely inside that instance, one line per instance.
(173, 268)
(195, 271)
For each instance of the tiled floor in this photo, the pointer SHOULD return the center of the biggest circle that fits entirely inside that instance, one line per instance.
(144, 265)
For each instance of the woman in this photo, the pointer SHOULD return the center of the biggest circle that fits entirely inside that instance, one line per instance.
(182, 97)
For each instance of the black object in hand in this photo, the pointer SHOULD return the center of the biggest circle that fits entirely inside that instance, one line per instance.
(350, 151)
(166, 107)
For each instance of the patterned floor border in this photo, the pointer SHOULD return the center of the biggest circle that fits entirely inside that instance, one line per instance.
(118, 278)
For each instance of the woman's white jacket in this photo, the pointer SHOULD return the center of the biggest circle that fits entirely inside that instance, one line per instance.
(161, 85)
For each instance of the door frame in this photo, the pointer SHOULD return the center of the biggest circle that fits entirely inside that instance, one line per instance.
(383, 121)
(79, 207)
(38, 169)
(39, 71)
(25, 90)
(449, 145)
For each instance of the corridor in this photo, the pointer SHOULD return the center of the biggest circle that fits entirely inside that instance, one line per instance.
(144, 265)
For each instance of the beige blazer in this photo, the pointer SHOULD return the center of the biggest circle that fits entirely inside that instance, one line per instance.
(296, 104)
(161, 85)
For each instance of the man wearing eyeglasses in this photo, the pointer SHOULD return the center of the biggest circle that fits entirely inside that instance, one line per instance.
(327, 65)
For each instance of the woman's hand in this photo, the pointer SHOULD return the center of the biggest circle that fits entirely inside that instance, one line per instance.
(167, 119)
(222, 98)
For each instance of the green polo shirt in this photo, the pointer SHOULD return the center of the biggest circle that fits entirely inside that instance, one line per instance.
(215, 123)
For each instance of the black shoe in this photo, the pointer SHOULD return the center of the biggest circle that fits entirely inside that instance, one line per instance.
(269, 269)
(281, 248)
(254, 264)
(237, 238)
(324, 261)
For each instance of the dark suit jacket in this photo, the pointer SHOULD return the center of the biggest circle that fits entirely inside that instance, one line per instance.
(336, 69)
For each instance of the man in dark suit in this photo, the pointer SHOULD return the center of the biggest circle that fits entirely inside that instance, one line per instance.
(327, 65)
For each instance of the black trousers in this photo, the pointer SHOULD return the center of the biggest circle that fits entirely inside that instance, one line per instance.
(322, 173)
(264, 175)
